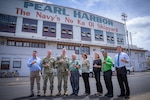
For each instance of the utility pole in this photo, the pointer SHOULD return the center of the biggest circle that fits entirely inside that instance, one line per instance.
(124, 18)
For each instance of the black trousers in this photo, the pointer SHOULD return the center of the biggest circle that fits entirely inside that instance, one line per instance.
(108, 82)
(123, 81)
(85, 77)
(98, 82)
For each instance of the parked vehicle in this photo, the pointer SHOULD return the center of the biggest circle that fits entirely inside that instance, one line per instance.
(129, 69)
(91, 74)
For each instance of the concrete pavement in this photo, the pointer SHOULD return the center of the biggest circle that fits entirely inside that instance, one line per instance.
(23, 82)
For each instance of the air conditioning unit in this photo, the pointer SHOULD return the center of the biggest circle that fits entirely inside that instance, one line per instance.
(88, 35)
(33, 27)
(26, 26)
(12, 24)
(53, 30)
(69, 32)
(96, 36)
(83, 34)
(63, 31)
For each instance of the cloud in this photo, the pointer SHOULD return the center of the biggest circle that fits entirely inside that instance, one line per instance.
(140, 26)
(90, 3)
(76, 2)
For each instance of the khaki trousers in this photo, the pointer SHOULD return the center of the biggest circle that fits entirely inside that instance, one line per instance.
(35, 75)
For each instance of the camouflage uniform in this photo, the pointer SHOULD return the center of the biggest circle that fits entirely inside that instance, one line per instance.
(62, 68)
(48, 73)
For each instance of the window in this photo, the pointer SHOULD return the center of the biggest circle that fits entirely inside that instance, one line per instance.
(77, 48)
(98, 35)
(110, 37)
(5, 63)
(29, 25)
(66, 31)
(120, 39)
(26, 44)
(34, 44)
(85, 34)
(16, 64)
(84, 49)
(71, 47)
(41, 45)
(60, 46)
(10, 43)
(87, 50)
(19, 44)
(141, 54)
(7, 23)
(49, 29)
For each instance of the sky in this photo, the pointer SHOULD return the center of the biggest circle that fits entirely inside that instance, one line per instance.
(137, 11)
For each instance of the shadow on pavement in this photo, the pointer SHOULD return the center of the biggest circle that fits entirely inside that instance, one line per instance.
(48, 97)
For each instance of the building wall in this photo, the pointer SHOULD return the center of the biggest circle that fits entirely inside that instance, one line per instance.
(26, 9)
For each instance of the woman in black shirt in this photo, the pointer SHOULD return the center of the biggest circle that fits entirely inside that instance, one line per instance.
(97, 64)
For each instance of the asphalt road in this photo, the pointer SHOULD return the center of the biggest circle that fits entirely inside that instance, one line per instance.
(18, 88)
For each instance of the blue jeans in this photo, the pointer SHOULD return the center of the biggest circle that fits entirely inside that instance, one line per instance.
(74, 79)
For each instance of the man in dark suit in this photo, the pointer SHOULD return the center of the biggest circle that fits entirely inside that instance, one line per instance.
(121, 59)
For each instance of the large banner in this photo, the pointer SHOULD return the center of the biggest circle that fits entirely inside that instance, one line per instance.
(54, 13)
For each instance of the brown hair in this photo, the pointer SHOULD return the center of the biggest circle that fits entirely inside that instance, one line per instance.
(85, 54)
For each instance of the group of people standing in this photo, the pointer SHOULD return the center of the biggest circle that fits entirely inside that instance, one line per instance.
(71, 68)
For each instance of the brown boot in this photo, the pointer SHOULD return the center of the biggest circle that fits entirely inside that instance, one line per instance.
(65, 93)
(58, 94)
(51, 93)
(44, 93)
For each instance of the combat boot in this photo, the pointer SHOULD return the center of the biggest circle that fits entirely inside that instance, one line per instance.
(58, 94)
(44, 93)
(65, 93)
(51, 93)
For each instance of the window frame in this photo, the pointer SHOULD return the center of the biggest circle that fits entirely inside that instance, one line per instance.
(99, 36)
(50, 29)
(8, 23)
(17, 66)
(66, 31)
(120, 39)
(6, 65)
(29, 25)
(110, 37)
(85, 34)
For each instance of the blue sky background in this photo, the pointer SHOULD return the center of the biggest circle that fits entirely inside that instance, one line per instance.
(138, 12)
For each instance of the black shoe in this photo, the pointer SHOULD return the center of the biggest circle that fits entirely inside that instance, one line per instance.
(109, 95)
(72, 94)
(126, 97)
(76, 94)
(121, 95)
(106, 94)
(31, 95)
(38, 95)
(98, 94)
(86, 94)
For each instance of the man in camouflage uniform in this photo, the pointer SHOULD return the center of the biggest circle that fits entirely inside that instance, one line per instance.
(62, 63)
(48, 64)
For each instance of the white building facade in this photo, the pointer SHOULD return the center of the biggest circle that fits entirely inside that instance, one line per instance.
(27, 25)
